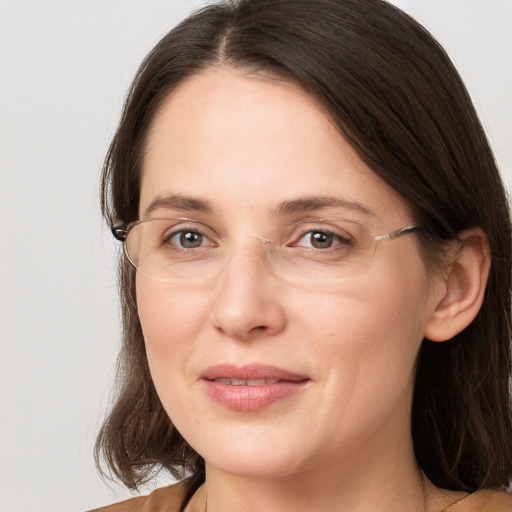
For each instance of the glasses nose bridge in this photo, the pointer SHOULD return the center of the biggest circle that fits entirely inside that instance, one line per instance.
(251, 250)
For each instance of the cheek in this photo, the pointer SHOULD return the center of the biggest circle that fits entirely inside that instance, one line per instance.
(372, 327)
(171, 320)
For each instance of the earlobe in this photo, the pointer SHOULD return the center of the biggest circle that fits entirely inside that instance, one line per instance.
(463, 288)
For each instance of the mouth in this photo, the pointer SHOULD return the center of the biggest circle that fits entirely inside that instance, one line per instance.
(250, 388)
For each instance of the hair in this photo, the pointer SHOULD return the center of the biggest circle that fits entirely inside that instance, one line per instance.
(395, 96)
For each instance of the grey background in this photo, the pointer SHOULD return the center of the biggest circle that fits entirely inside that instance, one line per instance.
(64, 70)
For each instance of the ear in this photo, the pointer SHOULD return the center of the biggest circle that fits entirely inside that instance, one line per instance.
(461, 289)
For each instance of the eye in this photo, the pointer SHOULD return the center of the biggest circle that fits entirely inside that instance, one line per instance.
(188, 239)
(316, 239)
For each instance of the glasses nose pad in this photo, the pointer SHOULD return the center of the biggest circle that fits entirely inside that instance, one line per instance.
(267, 244)
(263, 240)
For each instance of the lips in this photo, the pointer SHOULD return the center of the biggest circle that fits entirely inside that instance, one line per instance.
(251, 387)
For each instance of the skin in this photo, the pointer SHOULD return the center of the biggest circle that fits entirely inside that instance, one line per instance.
(245, 144)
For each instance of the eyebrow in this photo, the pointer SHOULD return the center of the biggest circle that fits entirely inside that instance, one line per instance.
(179, 202)
(290, 207)
(310, 204)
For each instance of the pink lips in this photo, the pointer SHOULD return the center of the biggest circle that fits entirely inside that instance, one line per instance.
(251, 387)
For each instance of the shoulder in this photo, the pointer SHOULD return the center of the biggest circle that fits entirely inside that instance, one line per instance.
(486, 500)
(165, 499)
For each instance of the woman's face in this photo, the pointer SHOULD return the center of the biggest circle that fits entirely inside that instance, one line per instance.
(264, 374)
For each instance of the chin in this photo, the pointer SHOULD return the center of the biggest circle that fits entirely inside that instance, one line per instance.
(252, 466)
(250, 454)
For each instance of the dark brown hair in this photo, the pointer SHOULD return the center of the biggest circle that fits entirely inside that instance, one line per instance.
(395, 96)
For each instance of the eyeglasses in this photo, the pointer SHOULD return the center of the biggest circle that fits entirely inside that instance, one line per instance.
(317, 250)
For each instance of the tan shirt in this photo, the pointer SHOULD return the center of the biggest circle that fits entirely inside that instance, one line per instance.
(168, 499)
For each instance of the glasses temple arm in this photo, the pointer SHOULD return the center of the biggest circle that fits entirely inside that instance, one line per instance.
(120, 232)
(398, 233)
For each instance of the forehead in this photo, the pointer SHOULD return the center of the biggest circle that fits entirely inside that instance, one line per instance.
(246, 142)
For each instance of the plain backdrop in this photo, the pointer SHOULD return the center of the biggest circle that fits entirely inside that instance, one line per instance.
(64, 69)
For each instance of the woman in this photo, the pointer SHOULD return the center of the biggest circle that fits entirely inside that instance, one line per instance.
(316, 289)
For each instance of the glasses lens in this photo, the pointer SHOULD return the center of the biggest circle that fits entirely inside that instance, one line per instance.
(316, 251)
(324, 251)
(172, 248)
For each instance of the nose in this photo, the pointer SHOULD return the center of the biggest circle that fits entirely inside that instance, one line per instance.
(248, 302)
